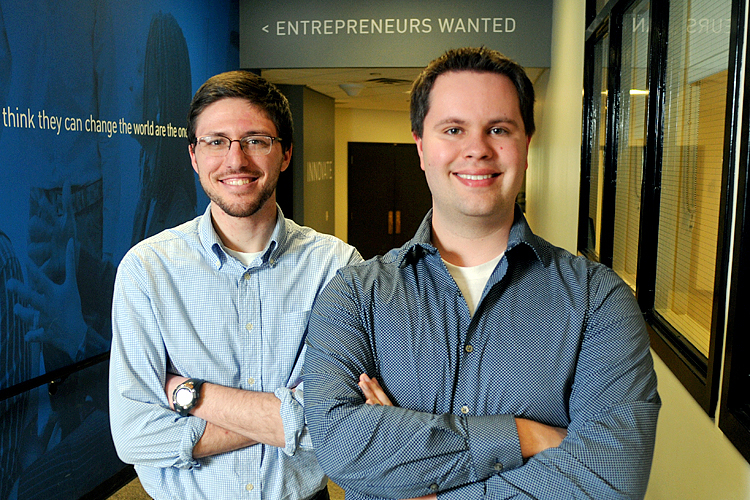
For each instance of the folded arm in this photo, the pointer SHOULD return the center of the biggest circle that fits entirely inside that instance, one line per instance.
(395, 452)
(144, 427)
(406, 453)
(243, 416)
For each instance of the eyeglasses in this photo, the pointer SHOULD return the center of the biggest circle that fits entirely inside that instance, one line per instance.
(218, 145)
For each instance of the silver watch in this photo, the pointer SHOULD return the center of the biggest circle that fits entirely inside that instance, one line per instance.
(186, 395)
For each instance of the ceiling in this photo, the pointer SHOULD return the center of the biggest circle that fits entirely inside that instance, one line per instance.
(382, 88)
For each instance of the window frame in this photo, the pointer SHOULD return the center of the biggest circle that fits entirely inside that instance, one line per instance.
(734, 414)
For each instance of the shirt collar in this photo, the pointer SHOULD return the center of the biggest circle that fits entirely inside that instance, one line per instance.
(520, 236)
(210, 239)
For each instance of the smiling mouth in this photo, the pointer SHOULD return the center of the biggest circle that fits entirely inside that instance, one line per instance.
(471, 177)
(237, 182)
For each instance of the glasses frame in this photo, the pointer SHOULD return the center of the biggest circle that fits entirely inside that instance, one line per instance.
(201, 141)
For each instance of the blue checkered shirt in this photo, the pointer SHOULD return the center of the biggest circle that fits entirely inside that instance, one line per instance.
(183, 305)
(555, 338)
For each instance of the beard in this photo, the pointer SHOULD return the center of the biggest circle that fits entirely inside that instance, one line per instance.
(244, 207)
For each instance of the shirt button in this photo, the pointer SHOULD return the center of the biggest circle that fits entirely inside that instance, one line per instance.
(498, 466)
(434, 487)
(249, 326)
(247, 276)
(469, 348)
(272, 262)
(251, 381)
(464, 410)
(249, 487)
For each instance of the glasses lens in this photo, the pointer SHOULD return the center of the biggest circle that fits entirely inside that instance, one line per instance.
(256, 144)
(214, 145)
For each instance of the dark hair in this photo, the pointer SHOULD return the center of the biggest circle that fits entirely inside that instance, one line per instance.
(479, 59)
(251, 87)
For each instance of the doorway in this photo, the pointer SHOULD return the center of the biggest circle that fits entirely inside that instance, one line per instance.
(388, 196)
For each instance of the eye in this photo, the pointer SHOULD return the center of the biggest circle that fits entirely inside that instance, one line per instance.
(453, 131)
(498, 131)
(257, 140)
(215, 141)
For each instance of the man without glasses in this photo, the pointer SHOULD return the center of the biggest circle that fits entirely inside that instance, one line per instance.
(517, 370)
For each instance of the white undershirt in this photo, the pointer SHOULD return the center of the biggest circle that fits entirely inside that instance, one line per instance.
(244, 257)
(472, 280)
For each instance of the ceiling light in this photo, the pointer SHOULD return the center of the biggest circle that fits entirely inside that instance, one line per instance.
(352, 89)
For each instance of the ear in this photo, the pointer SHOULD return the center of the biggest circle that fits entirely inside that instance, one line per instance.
(193, 161)
(287, 159)
(418, 141)
(528, 141)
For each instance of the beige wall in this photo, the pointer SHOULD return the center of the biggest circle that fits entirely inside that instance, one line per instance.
(553, 177)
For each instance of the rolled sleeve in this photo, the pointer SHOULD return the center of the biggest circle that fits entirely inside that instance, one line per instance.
(191, 434)
(293, 417)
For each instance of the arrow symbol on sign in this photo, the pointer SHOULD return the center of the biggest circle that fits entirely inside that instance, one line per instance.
(265, 28)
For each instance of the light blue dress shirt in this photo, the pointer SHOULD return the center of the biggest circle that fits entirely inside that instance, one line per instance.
(184, 305)
(555, 338)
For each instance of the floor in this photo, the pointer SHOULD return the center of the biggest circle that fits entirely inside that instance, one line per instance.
(134, 491)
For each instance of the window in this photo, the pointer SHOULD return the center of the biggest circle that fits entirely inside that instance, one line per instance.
(593, 184)
(631, 139)
(692, 166)
(655, 183)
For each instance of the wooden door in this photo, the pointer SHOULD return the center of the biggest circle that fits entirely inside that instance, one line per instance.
(388, 196)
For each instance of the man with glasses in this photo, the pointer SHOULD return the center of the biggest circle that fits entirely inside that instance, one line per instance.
(223, 302)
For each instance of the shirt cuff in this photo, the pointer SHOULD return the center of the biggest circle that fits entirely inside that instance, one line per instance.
(494, 444)
(292, 416)
(191, 434)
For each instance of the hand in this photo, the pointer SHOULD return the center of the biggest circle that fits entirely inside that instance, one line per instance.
(170, 385)
(52, 311)
(374, 394)
(536, 437)
(49, 233)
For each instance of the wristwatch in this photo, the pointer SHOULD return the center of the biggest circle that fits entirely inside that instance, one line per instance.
(186, 395)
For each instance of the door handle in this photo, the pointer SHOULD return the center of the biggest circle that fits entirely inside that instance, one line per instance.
(398, 221)
(390, 221)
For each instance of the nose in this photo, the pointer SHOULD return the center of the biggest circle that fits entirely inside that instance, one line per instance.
(477, 146)
(235, 157)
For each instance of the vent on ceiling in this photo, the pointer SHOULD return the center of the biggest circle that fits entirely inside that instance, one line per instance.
(390, 81)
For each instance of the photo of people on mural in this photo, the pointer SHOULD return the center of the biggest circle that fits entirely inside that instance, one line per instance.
(67, 217)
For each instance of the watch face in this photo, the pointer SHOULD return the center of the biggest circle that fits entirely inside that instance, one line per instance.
(183, 396)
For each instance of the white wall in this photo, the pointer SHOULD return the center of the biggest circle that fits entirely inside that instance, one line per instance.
(693, 459)
(362, 125)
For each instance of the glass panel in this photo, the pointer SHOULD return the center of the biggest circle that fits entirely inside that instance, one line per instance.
(632, 139)
(598, 118)
(696, 85)
(600, 5)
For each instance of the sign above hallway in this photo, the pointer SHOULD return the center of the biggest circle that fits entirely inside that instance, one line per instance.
(388, 33)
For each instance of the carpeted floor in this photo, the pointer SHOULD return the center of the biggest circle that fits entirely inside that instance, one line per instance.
(134, 491)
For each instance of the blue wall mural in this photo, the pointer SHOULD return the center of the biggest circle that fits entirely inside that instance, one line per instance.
(93, 157)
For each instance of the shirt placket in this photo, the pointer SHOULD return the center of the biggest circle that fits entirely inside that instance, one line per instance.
(471, 332)
(248, 467)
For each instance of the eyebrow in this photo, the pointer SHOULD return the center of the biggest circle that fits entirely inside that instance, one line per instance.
(459, 121)
(246, 134)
